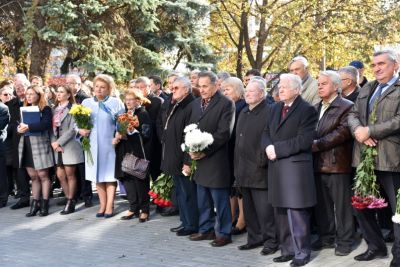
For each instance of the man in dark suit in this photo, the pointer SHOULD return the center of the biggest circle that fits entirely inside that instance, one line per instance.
(250, 166)
(382, 95)
(332, 149)
(157, 88)
(174, 116)
(21, 83)
(4, 120)
(287, 140)
(84, 186)
(213, 113)
(350, 88)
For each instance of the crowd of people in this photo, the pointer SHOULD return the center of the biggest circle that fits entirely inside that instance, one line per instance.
(280, 166)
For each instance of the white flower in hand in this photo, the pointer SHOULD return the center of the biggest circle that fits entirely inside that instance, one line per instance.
(396, 218)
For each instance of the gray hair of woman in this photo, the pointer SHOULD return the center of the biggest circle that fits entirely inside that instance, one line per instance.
(236, 84)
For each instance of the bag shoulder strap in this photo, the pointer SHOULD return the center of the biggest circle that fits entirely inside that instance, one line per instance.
(141, 144)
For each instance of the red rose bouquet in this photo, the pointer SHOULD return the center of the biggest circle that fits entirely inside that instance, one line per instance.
(160, 190)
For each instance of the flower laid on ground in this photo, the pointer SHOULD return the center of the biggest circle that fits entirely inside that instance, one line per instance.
(126, 123)
(82, 119)
(396, 216)
(366, 190)
(160, 190)
(195, 141)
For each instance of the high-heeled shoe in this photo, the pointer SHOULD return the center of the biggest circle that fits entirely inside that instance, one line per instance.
(44, 208)
(128, 217)
(35, 207)
(108, 215)
(145, 219)
(69, 207)
(99, 214)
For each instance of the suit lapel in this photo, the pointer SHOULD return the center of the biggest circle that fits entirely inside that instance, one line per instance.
(389, 90)
(214, 100)
(290, 112)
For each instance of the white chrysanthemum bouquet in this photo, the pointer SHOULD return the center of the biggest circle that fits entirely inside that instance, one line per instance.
(196, 141)
(396, 216)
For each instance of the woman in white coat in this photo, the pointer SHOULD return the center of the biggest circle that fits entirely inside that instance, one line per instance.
(67, 150)
(105, 109)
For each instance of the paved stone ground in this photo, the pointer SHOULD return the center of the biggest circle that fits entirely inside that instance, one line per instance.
(80, 239)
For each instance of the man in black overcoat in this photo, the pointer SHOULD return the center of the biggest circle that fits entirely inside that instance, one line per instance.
(4, 120)
(215, 114)
(287, 140)
(250, 167)
(174, 116)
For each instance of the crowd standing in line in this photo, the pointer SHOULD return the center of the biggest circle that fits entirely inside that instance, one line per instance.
(280, 166)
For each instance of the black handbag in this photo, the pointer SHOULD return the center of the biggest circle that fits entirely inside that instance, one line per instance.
(135, 166)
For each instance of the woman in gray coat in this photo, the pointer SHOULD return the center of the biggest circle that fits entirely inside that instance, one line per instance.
(67, 150)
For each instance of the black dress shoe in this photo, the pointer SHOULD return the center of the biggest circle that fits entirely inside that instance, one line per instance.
(202, 236)
(283, 258)
(249, 246)
(268, 251)
(342, 251)
(237, 231)
(184, 232)
(370, 255)
(128, 217)
(88, 202)
(299, 262)
(221, 241)
(176, 229)
(22, 203)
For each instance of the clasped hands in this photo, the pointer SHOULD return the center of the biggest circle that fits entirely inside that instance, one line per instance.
(362, 136)
(196, 155)
(270, 151)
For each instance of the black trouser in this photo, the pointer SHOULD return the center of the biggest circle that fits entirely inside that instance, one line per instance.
(3, 181)
(390, 182)
(137, 193)
(259, 217)
(11, 172)
(84, 187)
(333, 211)
(22, 181)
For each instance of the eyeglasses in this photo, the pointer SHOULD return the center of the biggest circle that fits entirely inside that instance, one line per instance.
(6, 94)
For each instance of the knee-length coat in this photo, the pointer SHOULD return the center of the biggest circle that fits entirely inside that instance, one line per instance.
(73, 153)
(103, 152)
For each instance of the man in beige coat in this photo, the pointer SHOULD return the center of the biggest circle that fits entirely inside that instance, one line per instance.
(384, 93)
(299, 67)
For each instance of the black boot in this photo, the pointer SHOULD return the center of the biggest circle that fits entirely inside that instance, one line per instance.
(69, 207)
(44, 208)
(35, 207)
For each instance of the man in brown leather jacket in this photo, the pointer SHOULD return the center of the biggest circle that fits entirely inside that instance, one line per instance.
(332, 149)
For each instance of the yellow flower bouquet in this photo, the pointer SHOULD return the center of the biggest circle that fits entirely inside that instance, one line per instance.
(81, 115)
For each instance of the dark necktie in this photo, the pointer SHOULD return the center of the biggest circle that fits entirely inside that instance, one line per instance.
(285, 110)
(204, 103)
(375, 97)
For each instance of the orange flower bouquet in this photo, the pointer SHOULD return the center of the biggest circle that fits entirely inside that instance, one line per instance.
(126, 123)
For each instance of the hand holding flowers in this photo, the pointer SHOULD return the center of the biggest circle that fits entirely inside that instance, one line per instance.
(82, 119)
(195, 143)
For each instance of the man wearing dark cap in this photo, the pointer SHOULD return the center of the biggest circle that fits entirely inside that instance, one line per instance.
(362, 80)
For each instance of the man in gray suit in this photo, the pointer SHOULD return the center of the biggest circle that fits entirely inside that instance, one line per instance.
(215, 114)
(299, 67)
(384, 94)
(287, 141)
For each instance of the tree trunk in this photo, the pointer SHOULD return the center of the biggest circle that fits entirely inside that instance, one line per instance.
(40, 49)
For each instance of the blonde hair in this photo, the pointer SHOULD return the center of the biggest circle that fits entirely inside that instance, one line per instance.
(108, 80)
(137, 95)
(42, 98)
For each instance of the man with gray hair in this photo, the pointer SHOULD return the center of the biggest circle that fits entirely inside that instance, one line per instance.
(299, 66)
(74, 81)
(222, 76)
(350, 87)
(380, 98)
(287, 141)
(174, 116)
(332, 149)
(250, 167)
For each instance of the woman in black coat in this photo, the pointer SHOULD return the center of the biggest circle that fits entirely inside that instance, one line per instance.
(136, 189)
(234, 90)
